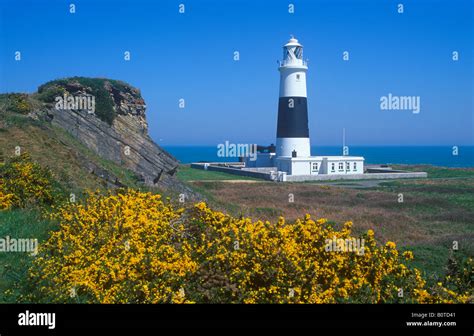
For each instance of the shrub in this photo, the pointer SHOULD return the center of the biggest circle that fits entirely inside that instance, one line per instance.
(6, 200)
(18, 103)
(24, 182)
(262, 262)
(104, 103)
(116, 249)
(133, 247)
(49, 93)
(460, 272)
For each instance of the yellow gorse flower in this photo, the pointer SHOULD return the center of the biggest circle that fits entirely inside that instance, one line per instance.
(117, 249)
(24, 182)
(134, 247)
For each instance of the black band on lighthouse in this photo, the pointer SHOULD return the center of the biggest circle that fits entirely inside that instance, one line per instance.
(292, 118)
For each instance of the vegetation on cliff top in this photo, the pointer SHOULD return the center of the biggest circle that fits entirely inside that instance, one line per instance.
(105, 106)
(104, 102)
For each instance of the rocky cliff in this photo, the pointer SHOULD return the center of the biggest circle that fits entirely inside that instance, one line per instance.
(108, 117)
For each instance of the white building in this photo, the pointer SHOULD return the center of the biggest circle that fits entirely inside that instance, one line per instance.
(316, 165)
(293, 148)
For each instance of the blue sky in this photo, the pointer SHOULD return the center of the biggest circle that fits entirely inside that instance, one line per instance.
(190, 56)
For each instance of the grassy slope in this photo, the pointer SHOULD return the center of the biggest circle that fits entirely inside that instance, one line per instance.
(55, 148)
(435, 212)
(52, 147)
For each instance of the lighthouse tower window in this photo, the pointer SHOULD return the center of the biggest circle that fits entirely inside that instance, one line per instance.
(297, 77)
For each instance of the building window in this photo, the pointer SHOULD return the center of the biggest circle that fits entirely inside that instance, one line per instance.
(315, 166)
(297, 77)
(355, 165)
(348, 166)
(333, 166)
(341, 166)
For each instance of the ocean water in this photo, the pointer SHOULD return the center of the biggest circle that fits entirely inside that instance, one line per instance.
(432, 155)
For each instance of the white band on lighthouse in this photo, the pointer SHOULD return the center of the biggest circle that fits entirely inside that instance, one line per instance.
(292, 129)
(285, 146)
(293, 82)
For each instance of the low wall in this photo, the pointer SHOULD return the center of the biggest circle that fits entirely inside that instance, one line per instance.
(235, 171)
(265, 175)
(370, 176)
(262, 169)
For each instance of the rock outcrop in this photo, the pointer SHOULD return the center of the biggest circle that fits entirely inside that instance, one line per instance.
(116, 129)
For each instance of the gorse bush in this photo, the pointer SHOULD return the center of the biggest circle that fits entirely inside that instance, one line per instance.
(6, 200)
(116, 249)
(24, 182)
(460, 272)
(17, 102)
(135, 247)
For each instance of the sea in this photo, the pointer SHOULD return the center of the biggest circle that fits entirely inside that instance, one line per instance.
(443, 156)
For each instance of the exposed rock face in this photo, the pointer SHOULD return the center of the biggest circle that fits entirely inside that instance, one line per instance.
(125, 140)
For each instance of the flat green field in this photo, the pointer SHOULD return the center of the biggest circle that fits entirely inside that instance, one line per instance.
(186, 174)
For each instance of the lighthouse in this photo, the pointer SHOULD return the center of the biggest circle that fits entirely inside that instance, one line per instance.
(292, 126)
(291, 159)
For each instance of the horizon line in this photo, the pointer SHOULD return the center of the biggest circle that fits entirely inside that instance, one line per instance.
(323, 145)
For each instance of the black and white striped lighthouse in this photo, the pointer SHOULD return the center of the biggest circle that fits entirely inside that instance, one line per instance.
(292, 128)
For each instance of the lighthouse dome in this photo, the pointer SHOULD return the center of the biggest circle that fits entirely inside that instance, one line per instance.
(293, 42)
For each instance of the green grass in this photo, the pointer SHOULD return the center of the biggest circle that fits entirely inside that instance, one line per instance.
(431, 259)
(438, 172)
(25, 224)
(447, 211)
(16, 119)
(263, 211)
(126, 176)
(186, 173)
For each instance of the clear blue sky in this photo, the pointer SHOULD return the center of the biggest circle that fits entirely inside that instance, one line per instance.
(190, 56)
